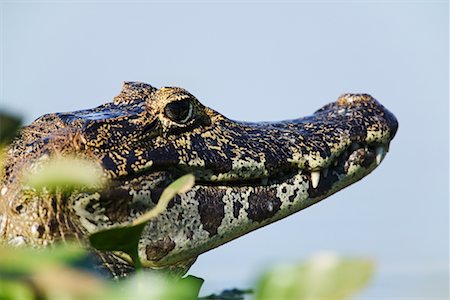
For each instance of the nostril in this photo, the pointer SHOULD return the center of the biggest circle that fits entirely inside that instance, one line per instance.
(369, 105)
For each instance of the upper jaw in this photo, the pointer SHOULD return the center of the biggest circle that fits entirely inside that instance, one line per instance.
(355, 129)
(355, 161)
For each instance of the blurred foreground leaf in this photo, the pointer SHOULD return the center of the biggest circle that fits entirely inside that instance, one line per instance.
(66, 173)
(325, 276)
(22, 260)
(12, 290)
(68, 283)
(125, 238)
(148, 286)
(27, 273)
(9, 124)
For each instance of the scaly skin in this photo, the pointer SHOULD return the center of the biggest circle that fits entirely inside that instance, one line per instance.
(247, 174)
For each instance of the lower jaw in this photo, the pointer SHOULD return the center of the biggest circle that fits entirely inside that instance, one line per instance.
(258, 206)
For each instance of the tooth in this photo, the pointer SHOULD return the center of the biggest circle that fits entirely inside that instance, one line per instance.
(325, 172)
(315, 177)
(336, 162)
(380, 152)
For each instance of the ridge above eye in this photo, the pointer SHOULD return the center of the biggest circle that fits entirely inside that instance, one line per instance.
(179, 111)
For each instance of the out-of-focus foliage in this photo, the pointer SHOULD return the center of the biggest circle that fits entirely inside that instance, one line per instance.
(326, 276)
(8, 127)
(51, 274)
(145, 285)
(67, 174)
(17, 260)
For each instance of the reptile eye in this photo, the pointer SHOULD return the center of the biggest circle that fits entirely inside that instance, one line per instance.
(179, 111)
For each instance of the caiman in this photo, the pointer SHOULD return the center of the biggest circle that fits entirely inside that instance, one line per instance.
(247, 175)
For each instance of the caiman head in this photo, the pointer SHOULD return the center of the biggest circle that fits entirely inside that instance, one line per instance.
(247, 174)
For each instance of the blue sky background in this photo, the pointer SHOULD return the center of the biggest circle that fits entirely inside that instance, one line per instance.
(270, 61)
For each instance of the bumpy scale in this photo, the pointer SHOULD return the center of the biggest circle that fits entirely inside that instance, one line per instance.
(247, 174)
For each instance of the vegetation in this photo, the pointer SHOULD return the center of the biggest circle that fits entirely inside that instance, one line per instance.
(55, 274)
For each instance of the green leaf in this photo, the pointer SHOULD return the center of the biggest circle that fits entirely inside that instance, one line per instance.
(27, 273)
(15, 290)
(125, 238)
(25, 260)
(191, 285)
(9, 125)
(66, 173)
(67, 283)
(323, 277)
(150, 286)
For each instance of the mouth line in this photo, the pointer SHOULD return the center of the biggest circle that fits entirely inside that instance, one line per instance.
(358, 157)
(355, 156)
